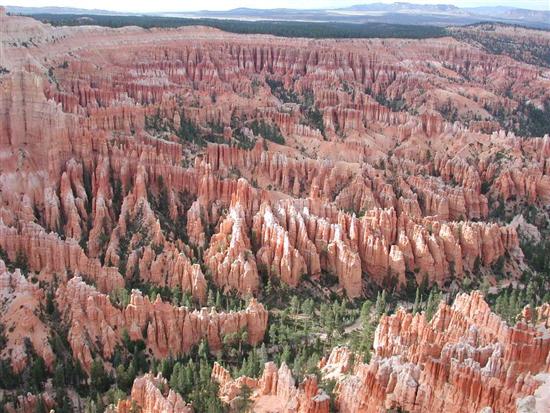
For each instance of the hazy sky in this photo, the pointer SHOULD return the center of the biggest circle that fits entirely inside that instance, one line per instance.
(189, 5)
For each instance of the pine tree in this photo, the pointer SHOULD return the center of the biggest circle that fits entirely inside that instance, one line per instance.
(175, 380)
(308, 306)
(285, 356)
(417, 302)
(381, 306)
(262, 356)
(62, 401)
(203, 350)
(155, 367)
(59, 376)
(295, 304)
(531, 298)
(365, 311)
(210, 301)
(125, 377)
(40, 406)
(273, 334)
(204, 371)
(177, 295)
(166, 367)
(99, 381)
(268, 288)
(513, 306)
(38, 372)
(432, 304)
(188, 376)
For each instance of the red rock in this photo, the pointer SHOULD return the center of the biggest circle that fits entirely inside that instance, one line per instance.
(466, 358)
(152, 395)
(274, 391)
(229, 258)
(20, 302)
(170, 268)
(29, 403)
(276, 254)
(169, 330)
(48, 253)
(380, 194)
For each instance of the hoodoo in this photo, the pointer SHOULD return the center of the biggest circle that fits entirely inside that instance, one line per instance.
(194, 220)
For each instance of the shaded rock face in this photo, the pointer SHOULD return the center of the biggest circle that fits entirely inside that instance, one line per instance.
(97, 326)
(465, 359)
(275, 391)
(152, 394)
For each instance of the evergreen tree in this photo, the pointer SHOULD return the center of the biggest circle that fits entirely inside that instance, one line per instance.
(262, 355)
(40, 406)
(381, 305)
(285, 355)
(99, 381)
(244, 402)
(210, 301)
(365, 311)
(176, 381)
(417, 302)
(38, 372)
(432, 304)
(59, 380)
(125, 377)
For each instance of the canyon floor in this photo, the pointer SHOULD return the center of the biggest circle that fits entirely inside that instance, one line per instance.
(199, 221)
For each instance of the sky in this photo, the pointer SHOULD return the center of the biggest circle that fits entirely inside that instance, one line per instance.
(193, 5)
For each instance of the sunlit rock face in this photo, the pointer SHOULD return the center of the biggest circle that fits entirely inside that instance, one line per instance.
(274, 391)
(152, 394)
(97, 325)
(464, 359)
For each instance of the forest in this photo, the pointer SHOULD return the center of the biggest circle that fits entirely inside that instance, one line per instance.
(276, 28)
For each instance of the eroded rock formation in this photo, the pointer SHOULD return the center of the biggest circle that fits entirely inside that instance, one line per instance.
(464, 359)
(371, 162)
(20, 302)
(97, 325)
(275, 391)
(152, 395)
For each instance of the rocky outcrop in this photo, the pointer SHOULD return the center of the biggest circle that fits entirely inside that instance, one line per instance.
(464, 359)
(389, 244)
(166, 329)
(152, 395)
(229, 257)
(105, 181)
(170, 268)
(20, 302)
(47, 252)
(424, 179)
(276, 254)
(275, 391)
